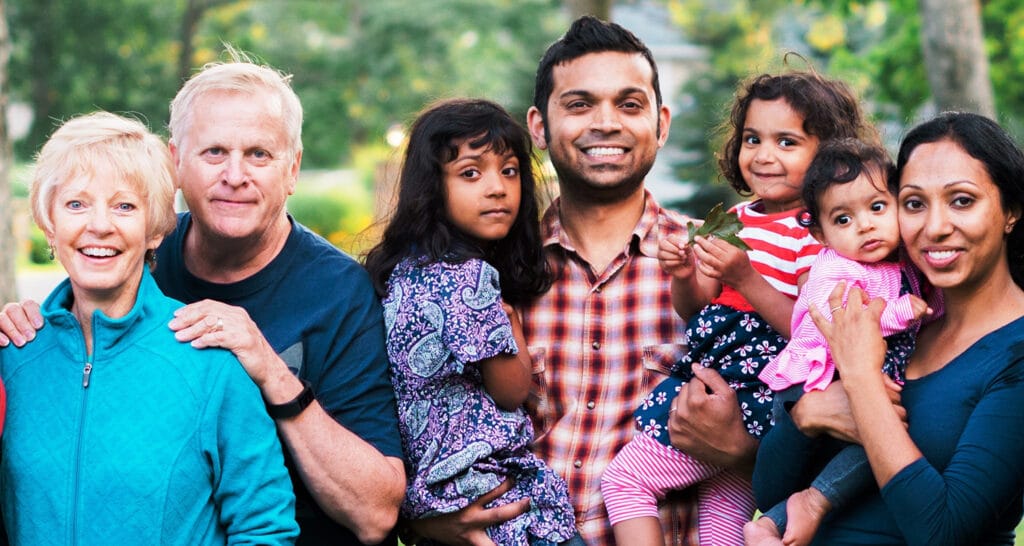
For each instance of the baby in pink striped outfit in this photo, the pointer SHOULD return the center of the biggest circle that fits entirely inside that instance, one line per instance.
(853, 213)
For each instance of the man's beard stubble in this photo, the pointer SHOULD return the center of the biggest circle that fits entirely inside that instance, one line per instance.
(582, 190)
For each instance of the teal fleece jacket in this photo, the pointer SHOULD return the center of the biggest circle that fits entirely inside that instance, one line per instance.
(157, 443)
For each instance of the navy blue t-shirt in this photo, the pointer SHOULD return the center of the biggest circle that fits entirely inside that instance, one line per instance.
(316, 307)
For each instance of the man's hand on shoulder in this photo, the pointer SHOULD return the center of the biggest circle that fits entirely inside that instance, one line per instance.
(210, 323)
(19, 322)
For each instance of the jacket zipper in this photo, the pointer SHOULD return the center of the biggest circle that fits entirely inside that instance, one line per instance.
(86, 372)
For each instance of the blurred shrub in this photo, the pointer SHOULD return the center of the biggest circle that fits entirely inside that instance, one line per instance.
(335, 215)
(39, 248)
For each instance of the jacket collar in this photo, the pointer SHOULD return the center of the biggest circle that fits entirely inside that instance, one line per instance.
(108, 333)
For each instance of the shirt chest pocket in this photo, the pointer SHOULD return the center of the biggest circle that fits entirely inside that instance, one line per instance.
(537, 402)
(658, 362)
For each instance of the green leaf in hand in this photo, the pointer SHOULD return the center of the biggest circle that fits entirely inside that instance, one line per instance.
(720, 225)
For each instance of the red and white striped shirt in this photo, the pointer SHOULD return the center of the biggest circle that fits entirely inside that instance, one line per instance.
(781, 250)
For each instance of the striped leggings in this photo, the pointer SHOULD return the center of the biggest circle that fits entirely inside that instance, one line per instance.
(645, 470)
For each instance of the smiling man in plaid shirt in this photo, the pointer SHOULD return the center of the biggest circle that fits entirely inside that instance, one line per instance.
(606, 332)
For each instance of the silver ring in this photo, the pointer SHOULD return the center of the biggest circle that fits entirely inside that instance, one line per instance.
(219, 326)
(834, 309)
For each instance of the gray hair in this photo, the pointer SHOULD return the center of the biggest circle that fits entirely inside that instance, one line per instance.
(243, 76)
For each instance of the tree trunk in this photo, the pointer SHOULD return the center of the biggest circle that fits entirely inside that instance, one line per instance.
(954, 56)
(41, 69)
(194, 10)
(602, 9)
(8, 248)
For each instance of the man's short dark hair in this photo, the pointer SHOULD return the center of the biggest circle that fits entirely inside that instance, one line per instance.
(587, 34)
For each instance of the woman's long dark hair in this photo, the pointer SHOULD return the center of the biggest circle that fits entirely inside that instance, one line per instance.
(984, 140)
(418, 225)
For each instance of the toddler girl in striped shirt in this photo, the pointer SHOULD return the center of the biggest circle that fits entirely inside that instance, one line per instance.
(738, 303)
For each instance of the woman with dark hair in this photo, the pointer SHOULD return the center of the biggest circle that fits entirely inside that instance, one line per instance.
(953, 472)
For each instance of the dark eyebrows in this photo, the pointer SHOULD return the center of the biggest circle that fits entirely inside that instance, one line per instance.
(622, 93)
(576, 93)
(945, 186)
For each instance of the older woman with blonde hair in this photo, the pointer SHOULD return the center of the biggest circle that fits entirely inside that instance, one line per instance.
(117, 433)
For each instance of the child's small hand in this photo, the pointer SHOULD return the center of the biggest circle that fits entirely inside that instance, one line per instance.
(676, 257)
(722, 261)
(919, 307)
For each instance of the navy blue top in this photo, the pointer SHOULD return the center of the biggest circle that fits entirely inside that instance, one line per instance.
(968, 421)
(317, 309)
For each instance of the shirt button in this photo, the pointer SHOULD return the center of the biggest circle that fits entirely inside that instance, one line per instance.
(596, 345)
(591, 405)
(578, 464)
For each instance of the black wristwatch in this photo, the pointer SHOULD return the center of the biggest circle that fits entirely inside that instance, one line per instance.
(295, 406)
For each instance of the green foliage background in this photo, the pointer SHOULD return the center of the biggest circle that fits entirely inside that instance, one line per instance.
(362, 68)
(872, 45)
(359, 67)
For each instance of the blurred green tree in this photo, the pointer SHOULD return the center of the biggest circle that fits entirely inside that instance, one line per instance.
(8, 288)
(360, 67)
(873, 45)
(73, 57)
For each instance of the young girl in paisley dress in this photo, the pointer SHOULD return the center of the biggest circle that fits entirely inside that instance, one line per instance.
(738, 303)
(461, 247)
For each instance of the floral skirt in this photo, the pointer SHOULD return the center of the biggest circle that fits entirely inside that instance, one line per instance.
(735, 343)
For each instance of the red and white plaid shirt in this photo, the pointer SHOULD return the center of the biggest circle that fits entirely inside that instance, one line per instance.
(600, 341)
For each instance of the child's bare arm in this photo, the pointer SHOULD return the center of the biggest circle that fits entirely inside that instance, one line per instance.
(721, 260)
(507, 376)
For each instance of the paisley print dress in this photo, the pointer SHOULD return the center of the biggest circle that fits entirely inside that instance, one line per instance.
(442, 319)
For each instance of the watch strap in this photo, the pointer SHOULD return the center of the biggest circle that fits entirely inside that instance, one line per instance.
(294, 406)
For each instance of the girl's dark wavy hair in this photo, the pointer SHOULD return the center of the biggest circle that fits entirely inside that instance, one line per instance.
(839, 162)
(986, 141)
(829, 108)
(418, 226)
